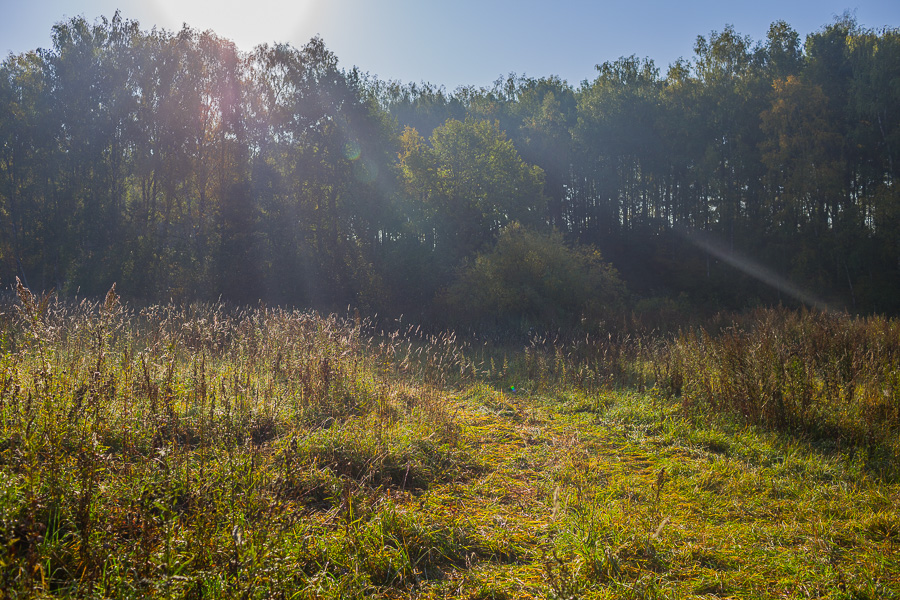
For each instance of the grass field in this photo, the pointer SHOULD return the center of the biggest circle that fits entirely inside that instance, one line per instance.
(198, 452)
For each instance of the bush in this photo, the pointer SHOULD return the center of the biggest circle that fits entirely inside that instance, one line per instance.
(533, 279)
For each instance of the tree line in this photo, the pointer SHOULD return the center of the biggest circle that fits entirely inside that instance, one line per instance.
(180, 167)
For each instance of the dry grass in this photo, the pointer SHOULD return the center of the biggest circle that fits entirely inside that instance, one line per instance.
(830, 379)
(200, 452)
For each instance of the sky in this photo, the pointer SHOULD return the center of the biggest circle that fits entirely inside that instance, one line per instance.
(466, 42)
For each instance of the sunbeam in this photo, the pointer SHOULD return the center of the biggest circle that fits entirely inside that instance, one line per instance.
(751, 267)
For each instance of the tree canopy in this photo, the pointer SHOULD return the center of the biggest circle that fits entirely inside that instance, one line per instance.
(180, 167)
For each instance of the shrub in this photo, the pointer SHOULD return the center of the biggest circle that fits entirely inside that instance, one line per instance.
(534, 279)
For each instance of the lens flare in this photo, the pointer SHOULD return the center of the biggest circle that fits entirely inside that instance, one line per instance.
(352, 150)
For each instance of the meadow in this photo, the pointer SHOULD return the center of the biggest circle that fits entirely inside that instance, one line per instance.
(202, 451)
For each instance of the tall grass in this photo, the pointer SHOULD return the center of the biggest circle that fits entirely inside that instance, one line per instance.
(824, 376)
(827, 377)
(205, 452)
(541, 363)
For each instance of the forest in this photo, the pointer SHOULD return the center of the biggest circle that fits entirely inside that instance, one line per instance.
(178, 167)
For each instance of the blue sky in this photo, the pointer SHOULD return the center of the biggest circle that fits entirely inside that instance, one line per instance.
(467, 42)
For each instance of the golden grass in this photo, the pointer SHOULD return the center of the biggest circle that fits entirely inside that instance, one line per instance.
(200, 453)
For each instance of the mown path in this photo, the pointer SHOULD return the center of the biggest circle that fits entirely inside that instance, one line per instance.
(629, 501)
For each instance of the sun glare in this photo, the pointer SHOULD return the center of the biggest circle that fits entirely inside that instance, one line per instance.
(247, 24)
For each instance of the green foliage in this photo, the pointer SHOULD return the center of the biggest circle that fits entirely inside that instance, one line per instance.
(183, 168)
(471, 182)
(530, 278)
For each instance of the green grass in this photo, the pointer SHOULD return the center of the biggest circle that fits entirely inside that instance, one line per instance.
(202, 453)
